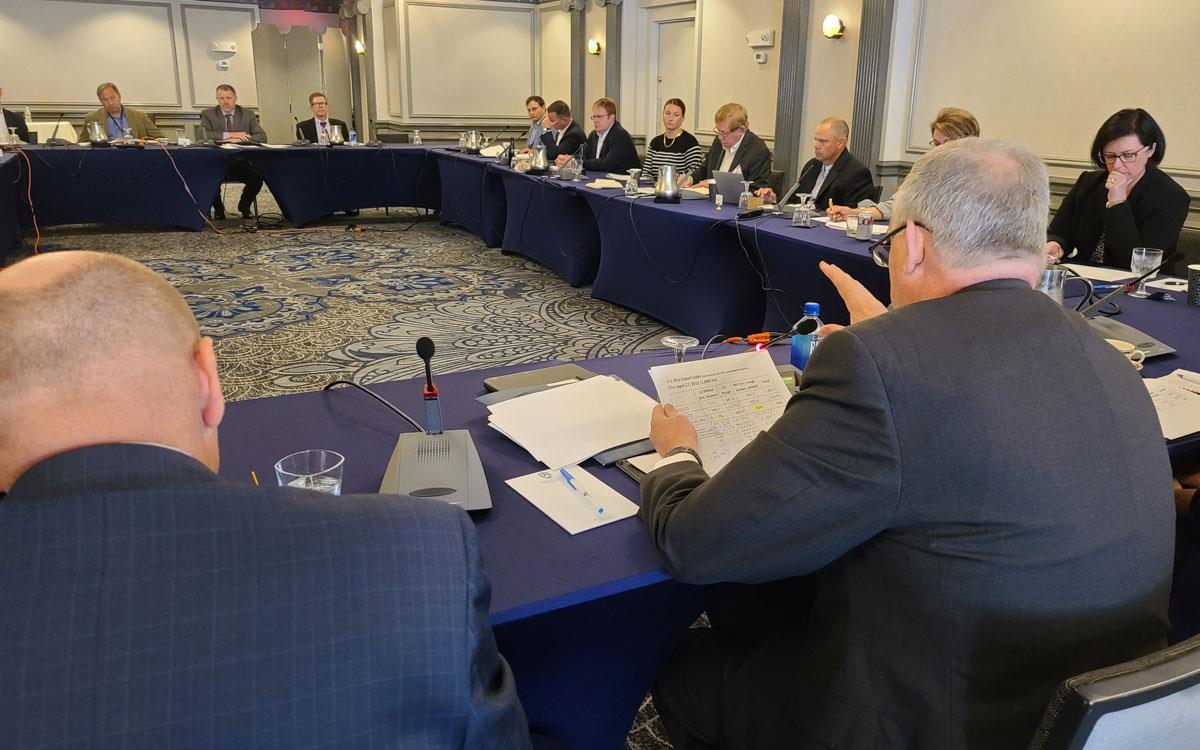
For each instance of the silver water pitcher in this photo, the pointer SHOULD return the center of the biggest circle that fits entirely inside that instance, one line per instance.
(336, 138)
(539, 163)
(96, 133)
(666, 188)
(474, 140)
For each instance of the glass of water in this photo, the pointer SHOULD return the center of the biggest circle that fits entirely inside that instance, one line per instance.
(1142, 260)
(317, 469)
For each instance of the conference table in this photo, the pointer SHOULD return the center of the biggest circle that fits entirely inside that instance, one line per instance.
(585, 621)
(11, 185)
(472, 195)
(547, 220)
(157, 184)
(314, 181)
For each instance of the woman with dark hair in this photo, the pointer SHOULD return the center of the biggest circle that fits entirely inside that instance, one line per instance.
(675, 146)
(1129, 202)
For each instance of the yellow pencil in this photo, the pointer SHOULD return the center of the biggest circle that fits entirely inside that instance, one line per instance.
(255, 478)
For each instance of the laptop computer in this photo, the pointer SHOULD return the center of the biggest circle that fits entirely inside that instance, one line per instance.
(729, 185)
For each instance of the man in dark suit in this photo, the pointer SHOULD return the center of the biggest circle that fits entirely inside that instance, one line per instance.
(229, 121)
(564, 136)
(735, 149)
(833, 174)
(145, 602)
(609, 146)
(318, 128)
(962, 568)
(15, 120)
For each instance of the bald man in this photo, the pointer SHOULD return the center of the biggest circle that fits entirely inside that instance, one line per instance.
(833, 174)
(146, 602)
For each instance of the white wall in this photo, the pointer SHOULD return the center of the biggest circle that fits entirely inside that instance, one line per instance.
(291, 75)
(157, 52)
(728, 72)
(555, 58)
(455, 61)
(1046, 75)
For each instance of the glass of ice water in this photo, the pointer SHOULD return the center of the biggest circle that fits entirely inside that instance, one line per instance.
(1142, 260)
(317, 469)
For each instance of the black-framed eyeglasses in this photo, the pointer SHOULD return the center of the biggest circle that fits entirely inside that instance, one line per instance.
(881, 249)
(1126, 157)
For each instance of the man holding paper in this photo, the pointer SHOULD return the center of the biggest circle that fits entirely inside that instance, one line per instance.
(964, 566)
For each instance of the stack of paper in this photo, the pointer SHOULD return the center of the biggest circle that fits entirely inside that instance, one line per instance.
(571, 423)
(1100, 273)
(603, 184)
(1177, 400)
(729, 400)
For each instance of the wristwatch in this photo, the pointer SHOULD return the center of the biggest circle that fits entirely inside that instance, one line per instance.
(685, 449)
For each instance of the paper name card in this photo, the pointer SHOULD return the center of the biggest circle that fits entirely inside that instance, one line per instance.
(1178, 408)
(589, 505)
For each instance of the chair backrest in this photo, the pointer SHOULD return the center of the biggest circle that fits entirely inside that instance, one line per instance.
(776, 182)
(1189, 253)
(1151, 702)
(392, 137)
(878, 193)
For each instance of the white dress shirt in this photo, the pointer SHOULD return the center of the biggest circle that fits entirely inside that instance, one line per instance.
(600, 141)
(730, 155)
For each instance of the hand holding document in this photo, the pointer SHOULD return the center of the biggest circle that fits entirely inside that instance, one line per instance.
(573, 498)
(729, 400)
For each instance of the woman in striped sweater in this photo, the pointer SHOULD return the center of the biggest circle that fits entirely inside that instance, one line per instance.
(676, 146)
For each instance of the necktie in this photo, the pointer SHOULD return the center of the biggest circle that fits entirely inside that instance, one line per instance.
(229, 123)
(324, 131)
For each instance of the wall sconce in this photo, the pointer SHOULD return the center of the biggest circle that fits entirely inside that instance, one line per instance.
(832, 27)
(593, 46)
(359, 47)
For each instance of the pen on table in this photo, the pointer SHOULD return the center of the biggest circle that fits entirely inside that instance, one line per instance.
(582, 494)
(254, 477)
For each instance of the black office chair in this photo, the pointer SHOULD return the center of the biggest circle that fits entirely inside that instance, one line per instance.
(1189, 253)
(776, 182)
(1151, 702)
(878, 193)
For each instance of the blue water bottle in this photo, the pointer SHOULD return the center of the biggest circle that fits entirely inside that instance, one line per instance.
(803, 344)
(353, 138)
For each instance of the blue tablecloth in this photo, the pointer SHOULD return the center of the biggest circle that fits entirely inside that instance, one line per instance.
(679, 263)
(160, 185)
(548, 221)
(790, 256)
(585, 620)
(11, 193)
(472, 195)
(314, 181)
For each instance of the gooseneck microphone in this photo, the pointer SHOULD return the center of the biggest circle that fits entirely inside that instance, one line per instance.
(1091, 309)
(795, 186)
(433, 407)
(300, 139)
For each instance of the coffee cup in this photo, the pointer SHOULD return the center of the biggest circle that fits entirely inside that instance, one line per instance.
(1131, 352)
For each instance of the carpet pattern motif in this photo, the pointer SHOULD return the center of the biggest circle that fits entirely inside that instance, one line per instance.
(292, 310)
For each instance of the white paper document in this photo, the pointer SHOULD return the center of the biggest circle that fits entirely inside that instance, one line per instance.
(1178, 408)
(571, 423)
(1100, 273)
(729, 400)
(582, 503)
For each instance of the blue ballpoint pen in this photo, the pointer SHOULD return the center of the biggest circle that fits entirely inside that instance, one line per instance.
(583, 495)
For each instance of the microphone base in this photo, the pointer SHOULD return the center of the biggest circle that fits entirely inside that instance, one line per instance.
(442, 467)
(666, 199)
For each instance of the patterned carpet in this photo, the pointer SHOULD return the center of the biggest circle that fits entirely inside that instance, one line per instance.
(291, 310)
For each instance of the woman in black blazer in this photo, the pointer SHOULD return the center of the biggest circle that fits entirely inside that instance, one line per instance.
(1131, 203)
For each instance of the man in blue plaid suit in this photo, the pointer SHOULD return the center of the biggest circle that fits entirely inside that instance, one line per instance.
(147, 603)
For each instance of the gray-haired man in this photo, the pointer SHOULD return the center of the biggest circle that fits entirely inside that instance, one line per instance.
(968, 553)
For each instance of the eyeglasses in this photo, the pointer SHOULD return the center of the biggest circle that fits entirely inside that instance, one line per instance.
(1126, 157)
(727, 133)
(600, 117)
(881, 248)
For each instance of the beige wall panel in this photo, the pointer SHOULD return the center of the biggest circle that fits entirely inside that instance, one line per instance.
(727, 68)
(830, 69)
(204, 25)
(467, 61)
(555, 54)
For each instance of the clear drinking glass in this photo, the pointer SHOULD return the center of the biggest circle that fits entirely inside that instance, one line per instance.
(12, 136)
(1142, 260)
(680, 345)
(315, 469)
(744, 198)
(416, 139)
(128, 134)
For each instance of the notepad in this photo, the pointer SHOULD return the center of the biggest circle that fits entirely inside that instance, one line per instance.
(1100, 273)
